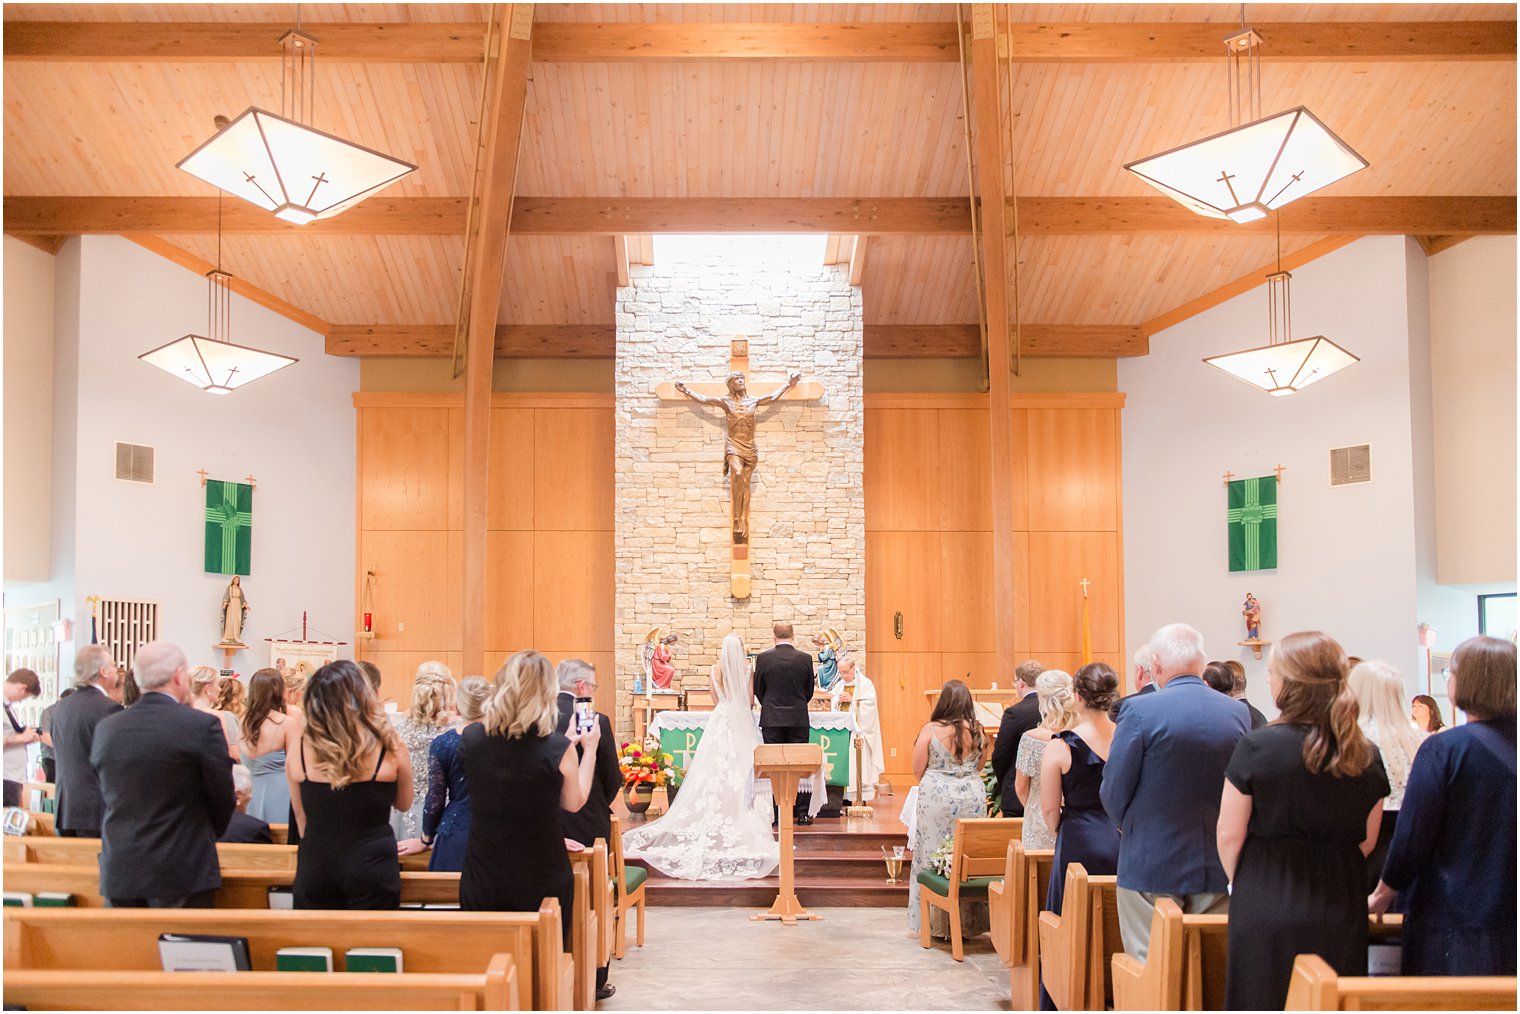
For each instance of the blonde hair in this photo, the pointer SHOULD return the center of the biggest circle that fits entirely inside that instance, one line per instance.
(432, 696)
(1379, 691)
(1059, 710)
(343, 723)
(293, 679)
(525, 698)
(230, 695)
(473, 691)
(201, 677)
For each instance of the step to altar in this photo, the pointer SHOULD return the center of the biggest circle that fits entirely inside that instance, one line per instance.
(838, 864)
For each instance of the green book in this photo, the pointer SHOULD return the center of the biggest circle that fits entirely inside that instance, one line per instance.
(53, 899)
(373, 959)
(303, 959)
(18, 899)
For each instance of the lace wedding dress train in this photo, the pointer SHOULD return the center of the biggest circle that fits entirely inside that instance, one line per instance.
(719, 827)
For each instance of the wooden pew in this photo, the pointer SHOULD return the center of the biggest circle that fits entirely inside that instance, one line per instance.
(494, 989)
(280, 833)
(42, 825)
(76, 851)
(126, 940)
(979, 847)
(628, 882)
(1315, 986)
(1187, 958)
(41, 797)
(1014, 905)
(1077, 945)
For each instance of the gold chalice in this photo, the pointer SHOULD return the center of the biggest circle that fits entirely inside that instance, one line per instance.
(893, 856)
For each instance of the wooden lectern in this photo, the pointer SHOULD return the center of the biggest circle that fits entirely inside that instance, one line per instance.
(786, 764)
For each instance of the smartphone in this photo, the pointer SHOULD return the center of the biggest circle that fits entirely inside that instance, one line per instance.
(585, 715)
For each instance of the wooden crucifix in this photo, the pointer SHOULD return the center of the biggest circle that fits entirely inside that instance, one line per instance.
(740, 403)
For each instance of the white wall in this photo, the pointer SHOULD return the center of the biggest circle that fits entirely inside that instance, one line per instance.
(1472, 328)
(28, 340)
(1346, 555)
(294, 431)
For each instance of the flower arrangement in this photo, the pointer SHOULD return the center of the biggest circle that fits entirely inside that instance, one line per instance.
(939, 859)
(643, 765)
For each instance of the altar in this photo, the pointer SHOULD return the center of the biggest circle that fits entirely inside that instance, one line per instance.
(679, 732)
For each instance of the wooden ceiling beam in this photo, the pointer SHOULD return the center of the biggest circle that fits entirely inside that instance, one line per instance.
(559, 42)
(598, 341)
(185, 259)
(883, 216)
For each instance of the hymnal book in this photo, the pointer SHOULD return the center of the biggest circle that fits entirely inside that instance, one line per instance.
(281, 897)
(53, 899)
(303, 959)
(372, 959)
(18, 899)
(195, 952)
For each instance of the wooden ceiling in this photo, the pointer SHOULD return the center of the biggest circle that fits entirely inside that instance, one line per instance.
(662, 118)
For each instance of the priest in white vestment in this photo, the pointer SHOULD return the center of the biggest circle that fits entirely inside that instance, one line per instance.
(867, 723)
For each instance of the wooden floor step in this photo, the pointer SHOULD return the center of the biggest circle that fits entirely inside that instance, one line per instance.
(853, 865)
(811, 839)
(816, 892)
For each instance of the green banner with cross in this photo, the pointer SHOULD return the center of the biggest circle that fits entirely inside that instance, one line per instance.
(229, 527)
(1253, 523)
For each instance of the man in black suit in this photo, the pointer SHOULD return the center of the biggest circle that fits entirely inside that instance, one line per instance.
(784, 686)
(242, 828)
(167, 784)
(1143, 680)
(1017, 720)
(74, 721)
(577, 679)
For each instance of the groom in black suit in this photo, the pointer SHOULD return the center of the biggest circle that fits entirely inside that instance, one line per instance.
(784, 686)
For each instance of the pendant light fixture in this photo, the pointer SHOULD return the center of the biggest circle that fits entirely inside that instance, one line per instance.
(1284, 365)
(285, 166)
(212, 362)
(1262, 162)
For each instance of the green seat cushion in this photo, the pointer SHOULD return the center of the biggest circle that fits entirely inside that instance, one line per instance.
(633, 878)
(974, 887)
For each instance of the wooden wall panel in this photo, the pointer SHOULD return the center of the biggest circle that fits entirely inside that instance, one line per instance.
(509, 591)
(573, 487)
(572, 605)
(411, 593)
(903, 575)
(398, 670)
(404, 459)
(901, 447)
(901, 679)
(965, 582)
(1057, 562)
(456, 470)
(977, 669)
(1074, 454)
(965, 489)
(513, 470)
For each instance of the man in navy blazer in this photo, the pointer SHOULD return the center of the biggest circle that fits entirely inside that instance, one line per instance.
(1162, 784)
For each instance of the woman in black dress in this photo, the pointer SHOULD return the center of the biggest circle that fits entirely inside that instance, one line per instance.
(1071, 773)
(349, 771)
(1300, 813)
(521, 774)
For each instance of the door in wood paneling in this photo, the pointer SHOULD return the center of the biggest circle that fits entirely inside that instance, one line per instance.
(964, 471)
(1073, 469)
(513, 470)
(404, 455)
(901, 680)
(573, 590)
(509, 591)
(573, 468)
(903, 575)
(411, 590)
(901, 471)
(966, 605)
(1057, 562)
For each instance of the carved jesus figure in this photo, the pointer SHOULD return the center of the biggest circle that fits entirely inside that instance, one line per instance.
(739, 455)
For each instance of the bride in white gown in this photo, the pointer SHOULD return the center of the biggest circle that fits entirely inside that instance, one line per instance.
(719, 827)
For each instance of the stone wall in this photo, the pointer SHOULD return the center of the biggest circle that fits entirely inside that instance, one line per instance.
(807, 516)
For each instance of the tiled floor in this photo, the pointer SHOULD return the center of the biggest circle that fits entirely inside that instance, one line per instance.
(854, 959)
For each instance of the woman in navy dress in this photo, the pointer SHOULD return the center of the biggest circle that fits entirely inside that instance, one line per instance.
(446, 812)
(1302, 803)
(1453, 851)
(522, 774)
(1071, 773)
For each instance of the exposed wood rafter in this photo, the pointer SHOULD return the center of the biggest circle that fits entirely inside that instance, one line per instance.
(596, 341)
(857, 260)
(901, 216)
(252, 293)
(201, 42)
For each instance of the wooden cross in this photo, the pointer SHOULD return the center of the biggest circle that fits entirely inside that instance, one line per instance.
(1084, 583)
(1227, 477)
(740, 455)
(202, 473)
(1279, 470)
(252, 481)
